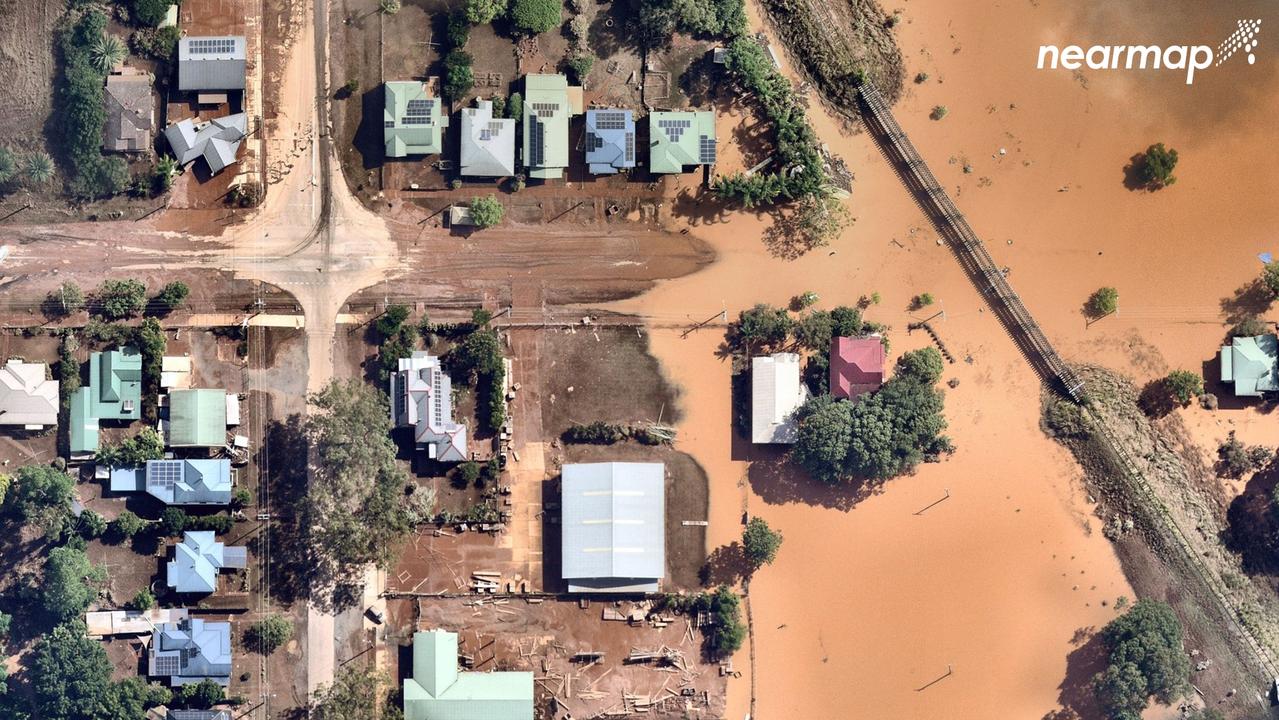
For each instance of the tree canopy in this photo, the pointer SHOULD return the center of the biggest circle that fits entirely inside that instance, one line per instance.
(1146, 659)
(483, 12)
(146, 445)
(355, 694)
(1184, 385)
(269, 634)
(42, 494)
(122, 298)
(760, 542)
(173, 294)
(355, 499)
(881, 435)
(1157, 165)
(764, 325)
(486, 211)
(70, 582)
(535, 16)
(71, 680)
(1103, 302)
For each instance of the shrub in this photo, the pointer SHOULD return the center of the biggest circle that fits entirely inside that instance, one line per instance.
(1234, 459)
(515, 106)
(205, 693)
(1250, 326)
(156, 43)
(939, 112)
(1270, 276)
(66, 300)
(595, 433)
(483, 12)
(8, 165)
(457, 30)
(760, 542)
(458, 78)
(468, 473)
(269, 634)
(150, 12)
(173, 295)
(37, 168)
(146, 445)
(486, 211)
(121, 298)
(1184, 385)
(241, 498)
(92, 525)
(127, 524)
(106, 53)
(1157, 164)
(535, 16)
(580, 66)
(220, 524)
(173, 521)
(1102, 302)
(390, 7)
(921, 300)
(143, 601)
(764, 325)
(389, 322)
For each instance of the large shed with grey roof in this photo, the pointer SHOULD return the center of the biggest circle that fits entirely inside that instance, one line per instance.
(610, 141)
(211, 63)
(614, 527)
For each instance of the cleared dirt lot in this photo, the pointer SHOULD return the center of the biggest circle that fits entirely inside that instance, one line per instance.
(543, 637)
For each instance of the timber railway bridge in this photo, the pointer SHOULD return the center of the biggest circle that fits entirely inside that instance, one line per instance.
(967, 247)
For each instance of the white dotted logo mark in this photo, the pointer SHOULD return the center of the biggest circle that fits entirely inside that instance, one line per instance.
(1242, 40)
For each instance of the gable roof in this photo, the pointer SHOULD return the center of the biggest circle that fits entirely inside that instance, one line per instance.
(547, 110)
(411, 119)
(614, 531)
(82, 426)
(197, 418)
(1252, 364)
(130, 108)
(679, 139)
(211, 63)
(776, 393)
(610, 140)
(438, 691)
(26, 397)
(191, 650)
(856, 366)
(217, 141)
(115, 381)
(422, 397)
(198, 481)
(197, 560)
(488, 143)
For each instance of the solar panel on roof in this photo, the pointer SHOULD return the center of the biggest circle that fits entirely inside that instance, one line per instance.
(610, 121)
(164, 473)
(211, 46)
(545, 109)
(388, 123)
(494, 127)
(419, 108)
(630, 147)
(706, 147)
(485, 135)
(415, 120)
(536, 144)
(166, 665)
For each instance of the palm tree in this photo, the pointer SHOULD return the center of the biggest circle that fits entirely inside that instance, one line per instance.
(165, 169)
(390, 7)
(106, 53)
(38, 167)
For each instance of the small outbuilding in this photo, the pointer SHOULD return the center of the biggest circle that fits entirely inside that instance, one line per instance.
(776, 393)
(614, 527)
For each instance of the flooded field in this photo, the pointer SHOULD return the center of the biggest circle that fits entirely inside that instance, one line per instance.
(971, 608)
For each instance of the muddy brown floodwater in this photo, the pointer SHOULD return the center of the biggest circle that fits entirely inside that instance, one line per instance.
(869, 602)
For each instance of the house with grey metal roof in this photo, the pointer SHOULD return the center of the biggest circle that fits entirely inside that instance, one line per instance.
(422, 398)
(413, 122)
(1252, 364)
(28, 398)
(610, 141)
(776, 393)
(130, 108)
(211, 63)
(198, 559)
(217, 141)
(614, 527)
(189, 651)
(439, 691)
(488, 143)
(198, 481)
(677, 140)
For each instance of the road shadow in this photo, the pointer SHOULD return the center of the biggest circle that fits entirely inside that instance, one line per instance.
(1076, 695)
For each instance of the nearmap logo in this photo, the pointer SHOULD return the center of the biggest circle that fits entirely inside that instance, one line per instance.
(1190, 58)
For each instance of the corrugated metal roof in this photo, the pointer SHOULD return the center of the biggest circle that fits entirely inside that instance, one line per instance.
(438, 691)
(488, 143)
(546, 114)
(1252, 364)
(411, 119)
(197, 418)
(211, 63)
(27, 397)
(675, 140)
(613, 523)
(776, 393)
(610, 140)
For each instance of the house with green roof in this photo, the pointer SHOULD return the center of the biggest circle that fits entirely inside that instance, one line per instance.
(677, 140)
(413, 122)
(197, 418)
(549, 104)
(1252, 364)
(114, 392)
(438, 691)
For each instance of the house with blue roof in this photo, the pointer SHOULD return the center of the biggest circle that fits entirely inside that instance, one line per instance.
(114, 392)
(614, 527)
(198, 559)
(610, 141)
(200, 481)
(191, 650)
(439, 691)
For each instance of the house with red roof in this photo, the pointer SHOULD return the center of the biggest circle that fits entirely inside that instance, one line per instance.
(856, 366)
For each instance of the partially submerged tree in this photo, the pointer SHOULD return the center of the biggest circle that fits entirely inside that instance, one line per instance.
(1103, 302)
(1146, 658)
(1157, 164)
(1184, 385)
(764, 325)
(761, 542)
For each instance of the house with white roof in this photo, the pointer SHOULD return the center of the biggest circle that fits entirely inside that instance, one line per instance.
(776, 393)
(27, 397)
(189, 651)
(488, 143)
(217, 141)
(422, 398)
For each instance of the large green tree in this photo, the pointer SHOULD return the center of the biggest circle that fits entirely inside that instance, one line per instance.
(42, 495)
(122, 298)
(1146, 658)
(764, 325)
(761, 542)
(269, 634)
(1157, 164)
(535, 16)
(70, 582)
(355, 694)
(355, 502)
(825, 430)
(486, 211)
(71, 680)
(483, 12)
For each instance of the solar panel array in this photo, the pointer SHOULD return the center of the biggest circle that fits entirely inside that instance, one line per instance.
(674, 128)
(418, 112)
(593, 142)
(211, 46)
(490, 130)
(164, 473)
(545, 109)
(706, 146)
(536, 144)
(166, 665)
(388, 123)
(630, 147)
(610, 121)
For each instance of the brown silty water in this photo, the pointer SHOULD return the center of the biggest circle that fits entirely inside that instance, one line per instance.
(870, 602)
